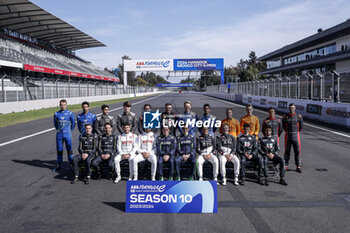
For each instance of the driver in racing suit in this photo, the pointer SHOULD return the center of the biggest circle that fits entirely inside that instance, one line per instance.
(186, 153)
(269, 149)
(205, 147)
(166, 146)
(88, 144)
(146, 151)
(64, 123)
(227, 153)
(127, 147)
(107, 147)
(247, 149)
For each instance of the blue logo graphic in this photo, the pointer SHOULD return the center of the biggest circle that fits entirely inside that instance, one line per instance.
(166, 64)
(151, 120)
(171, 197)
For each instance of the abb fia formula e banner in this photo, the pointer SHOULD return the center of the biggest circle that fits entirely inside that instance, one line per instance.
(199, 64)
(171, 197)
(149, 65)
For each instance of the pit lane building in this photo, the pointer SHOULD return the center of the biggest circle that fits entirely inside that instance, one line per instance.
(324, 51)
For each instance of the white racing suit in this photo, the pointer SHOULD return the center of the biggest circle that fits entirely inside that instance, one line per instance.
(206, 145)
(147, 144)
(127, 144)
(227, 146)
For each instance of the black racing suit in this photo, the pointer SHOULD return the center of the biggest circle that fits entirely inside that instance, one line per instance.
(166, 118)
(107, 144)
(292, 125)
(127, 118)
(99, 125)
(248, 144)
(269, 145)
(88, 144)
(276, 125)
(166, 146)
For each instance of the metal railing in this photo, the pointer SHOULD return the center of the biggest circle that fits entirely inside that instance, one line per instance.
(330, 87)
(16, 88)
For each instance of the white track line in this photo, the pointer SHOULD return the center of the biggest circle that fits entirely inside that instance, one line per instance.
(50, 129)
(308, 124)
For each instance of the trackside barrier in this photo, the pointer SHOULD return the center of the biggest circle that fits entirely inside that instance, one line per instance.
(334, 113)
(21, 106)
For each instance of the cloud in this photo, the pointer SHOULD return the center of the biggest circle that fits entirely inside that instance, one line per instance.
(262, 33)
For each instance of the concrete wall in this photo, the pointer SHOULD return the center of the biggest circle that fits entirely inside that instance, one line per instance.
(21, 106)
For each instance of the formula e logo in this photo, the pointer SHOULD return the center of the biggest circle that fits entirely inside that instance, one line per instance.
(151, 120)
(161, 188)
(166, 64)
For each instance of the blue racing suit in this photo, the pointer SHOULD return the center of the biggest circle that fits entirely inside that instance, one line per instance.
(166, 146)
(186, 144)
(83, 119)
(64, 123)
(189, 118)
(212, 120)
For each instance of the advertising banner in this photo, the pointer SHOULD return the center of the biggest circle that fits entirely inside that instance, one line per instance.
(37, 68)
(171, 197)
(199, 64)
(149, 65)
(57, 71)
(335, 113)
(175, 85)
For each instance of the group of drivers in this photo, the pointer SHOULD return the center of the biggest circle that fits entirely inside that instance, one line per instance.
(237, 143)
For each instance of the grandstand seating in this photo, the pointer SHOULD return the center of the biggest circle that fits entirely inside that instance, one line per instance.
(30, 53)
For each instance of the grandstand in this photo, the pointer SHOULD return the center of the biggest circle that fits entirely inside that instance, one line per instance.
(37, 55)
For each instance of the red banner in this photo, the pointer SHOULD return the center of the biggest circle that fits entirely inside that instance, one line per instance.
(75, 74)
(66, 72)
(60, 72)
(37, 68)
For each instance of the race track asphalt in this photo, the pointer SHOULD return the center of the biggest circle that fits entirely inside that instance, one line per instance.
(35, 199)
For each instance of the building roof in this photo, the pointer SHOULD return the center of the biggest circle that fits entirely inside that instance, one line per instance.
(28, 19)
(318, 38)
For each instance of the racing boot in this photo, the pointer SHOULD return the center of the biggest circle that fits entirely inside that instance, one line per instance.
(87, 181)
(242, 180)
(216, 179)
(266, 181)
(76, 179)
(224, 181)
(235, 182)
(117, 179)
(282, 181)
(57, 168)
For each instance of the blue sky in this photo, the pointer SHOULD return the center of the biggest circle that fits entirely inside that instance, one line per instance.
(194, 29)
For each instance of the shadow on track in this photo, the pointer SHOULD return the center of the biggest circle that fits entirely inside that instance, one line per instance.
(63, 174)
(118, 205)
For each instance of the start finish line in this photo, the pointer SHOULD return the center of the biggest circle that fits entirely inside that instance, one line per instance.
(171, 197)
